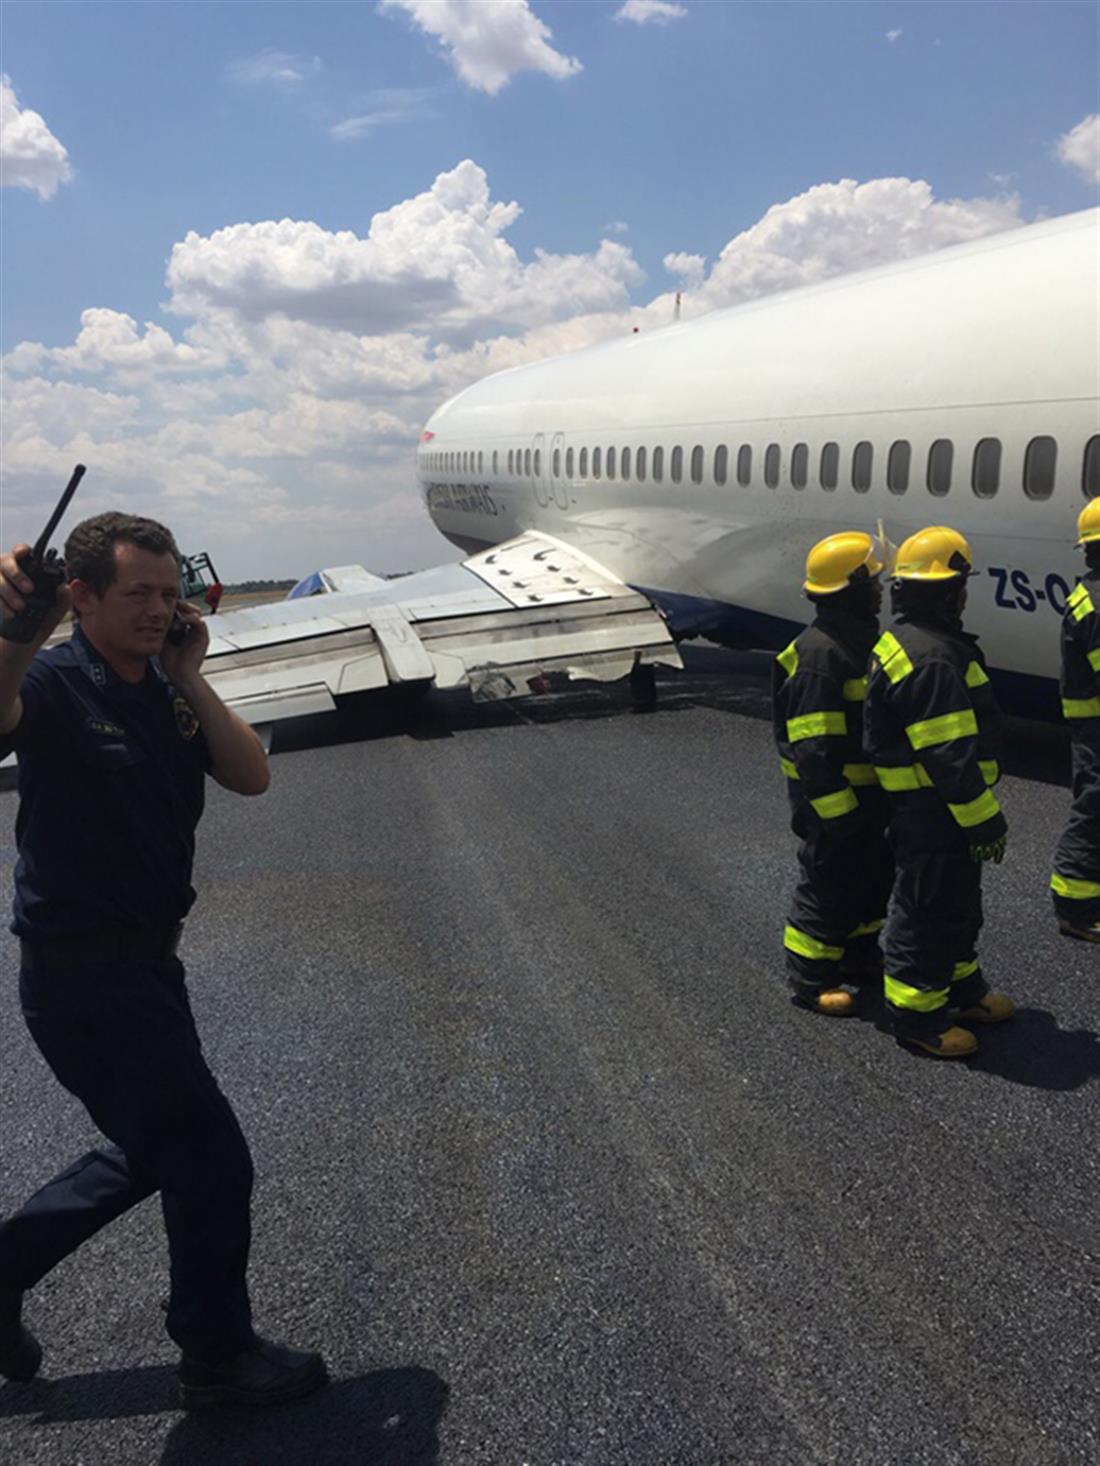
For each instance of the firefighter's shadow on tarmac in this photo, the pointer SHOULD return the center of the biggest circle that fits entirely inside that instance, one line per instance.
(1031, 1049)
(387, 1418)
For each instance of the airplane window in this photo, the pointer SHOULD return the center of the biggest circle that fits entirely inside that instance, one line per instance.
(557, 463)
(897, 467)
(583, 469)
(511, 464)
(624, 464)
(941, 456)
(771, 465)
(538, 462)
(569, 463)
(697, 464)
(830, 465)
(596, 455)
(639, 465)
(611, 463)
(527, 462)
(985, 478)
(496, 468)
(862, 460)
(658, 465)
(1039, 464)
(480, 461)
(744, 465)
(676, 465)
(1090, 478)
(800, 465)
(721, 463)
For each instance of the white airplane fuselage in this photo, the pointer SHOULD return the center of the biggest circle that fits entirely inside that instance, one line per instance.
(985, 344)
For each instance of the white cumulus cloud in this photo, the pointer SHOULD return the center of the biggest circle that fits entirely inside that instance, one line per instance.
(437, 261)
(690, 268)
(835, 228)
(489, 43)
(1080, 148)
(30, 156)
(650, 12)
(893, 36)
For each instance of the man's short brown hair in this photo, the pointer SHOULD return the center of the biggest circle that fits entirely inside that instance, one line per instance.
(90, 549)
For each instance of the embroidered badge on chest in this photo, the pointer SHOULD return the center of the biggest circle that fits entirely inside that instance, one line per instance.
(186, 721)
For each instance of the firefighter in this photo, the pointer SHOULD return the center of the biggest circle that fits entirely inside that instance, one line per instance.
(931, 727)
(837, 810)
(1075, 884)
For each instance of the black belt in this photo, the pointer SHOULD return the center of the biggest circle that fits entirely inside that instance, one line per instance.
(109, 944)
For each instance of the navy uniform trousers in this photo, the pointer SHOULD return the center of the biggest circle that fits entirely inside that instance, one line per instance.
(120, 1036)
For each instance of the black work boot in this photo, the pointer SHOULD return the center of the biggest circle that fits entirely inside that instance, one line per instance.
(20, 1351)
(259, 1374)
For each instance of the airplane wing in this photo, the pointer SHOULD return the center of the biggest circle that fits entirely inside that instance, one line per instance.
(494, 623)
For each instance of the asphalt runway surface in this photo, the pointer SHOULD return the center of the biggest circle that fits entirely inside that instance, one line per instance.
(547, 1164)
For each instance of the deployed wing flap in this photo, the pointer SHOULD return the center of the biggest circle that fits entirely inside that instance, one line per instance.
(494, 623)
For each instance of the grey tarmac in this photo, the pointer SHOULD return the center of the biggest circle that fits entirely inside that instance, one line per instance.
(548, 1165)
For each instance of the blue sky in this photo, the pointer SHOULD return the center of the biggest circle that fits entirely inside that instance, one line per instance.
(288, 372)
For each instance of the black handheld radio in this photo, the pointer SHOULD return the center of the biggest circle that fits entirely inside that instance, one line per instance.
(46, 569)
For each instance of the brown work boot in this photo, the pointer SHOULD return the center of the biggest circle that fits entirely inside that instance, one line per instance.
(993, 1008)
(953, 1043)
(833, 1002)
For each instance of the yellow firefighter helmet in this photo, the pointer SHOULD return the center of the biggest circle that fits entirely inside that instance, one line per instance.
(1088, 523)
(937, 553)
(840, 561)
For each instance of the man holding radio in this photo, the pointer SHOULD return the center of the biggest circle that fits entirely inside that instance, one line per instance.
(116, 730)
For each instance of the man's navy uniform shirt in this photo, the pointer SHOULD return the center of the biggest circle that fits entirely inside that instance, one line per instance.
(111, 785)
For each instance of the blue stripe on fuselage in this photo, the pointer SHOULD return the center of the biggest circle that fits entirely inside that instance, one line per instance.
(743, 629)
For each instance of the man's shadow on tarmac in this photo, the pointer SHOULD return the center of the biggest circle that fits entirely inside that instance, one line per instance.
(1030, 1050)
(389, 1417)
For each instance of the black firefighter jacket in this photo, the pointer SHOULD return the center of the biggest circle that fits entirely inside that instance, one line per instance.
(1081, 655)
(819, 683)
(931, 729)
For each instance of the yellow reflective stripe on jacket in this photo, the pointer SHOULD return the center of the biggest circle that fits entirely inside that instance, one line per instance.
(964, 969)
(991, 770)
(806, 946)
(1094, 659)
(788, 659)
(1081, 707)
(1080, 603)
(815, 725)
(1074, 890)
(867, 928)
(911, 776)
(977, 811)
(832, 806)
(976, 675)
(942, 729)
(855, 689)
(901, 995)
(859, 774)
(892, 657)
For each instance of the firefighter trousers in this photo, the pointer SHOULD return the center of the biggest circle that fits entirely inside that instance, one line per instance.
(1075, 884)
(832, 934)
(931, 942)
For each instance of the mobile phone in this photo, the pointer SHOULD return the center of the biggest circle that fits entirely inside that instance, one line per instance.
(179, 630)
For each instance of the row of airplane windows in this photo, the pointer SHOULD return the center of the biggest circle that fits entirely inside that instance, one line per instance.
(1037, 480)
